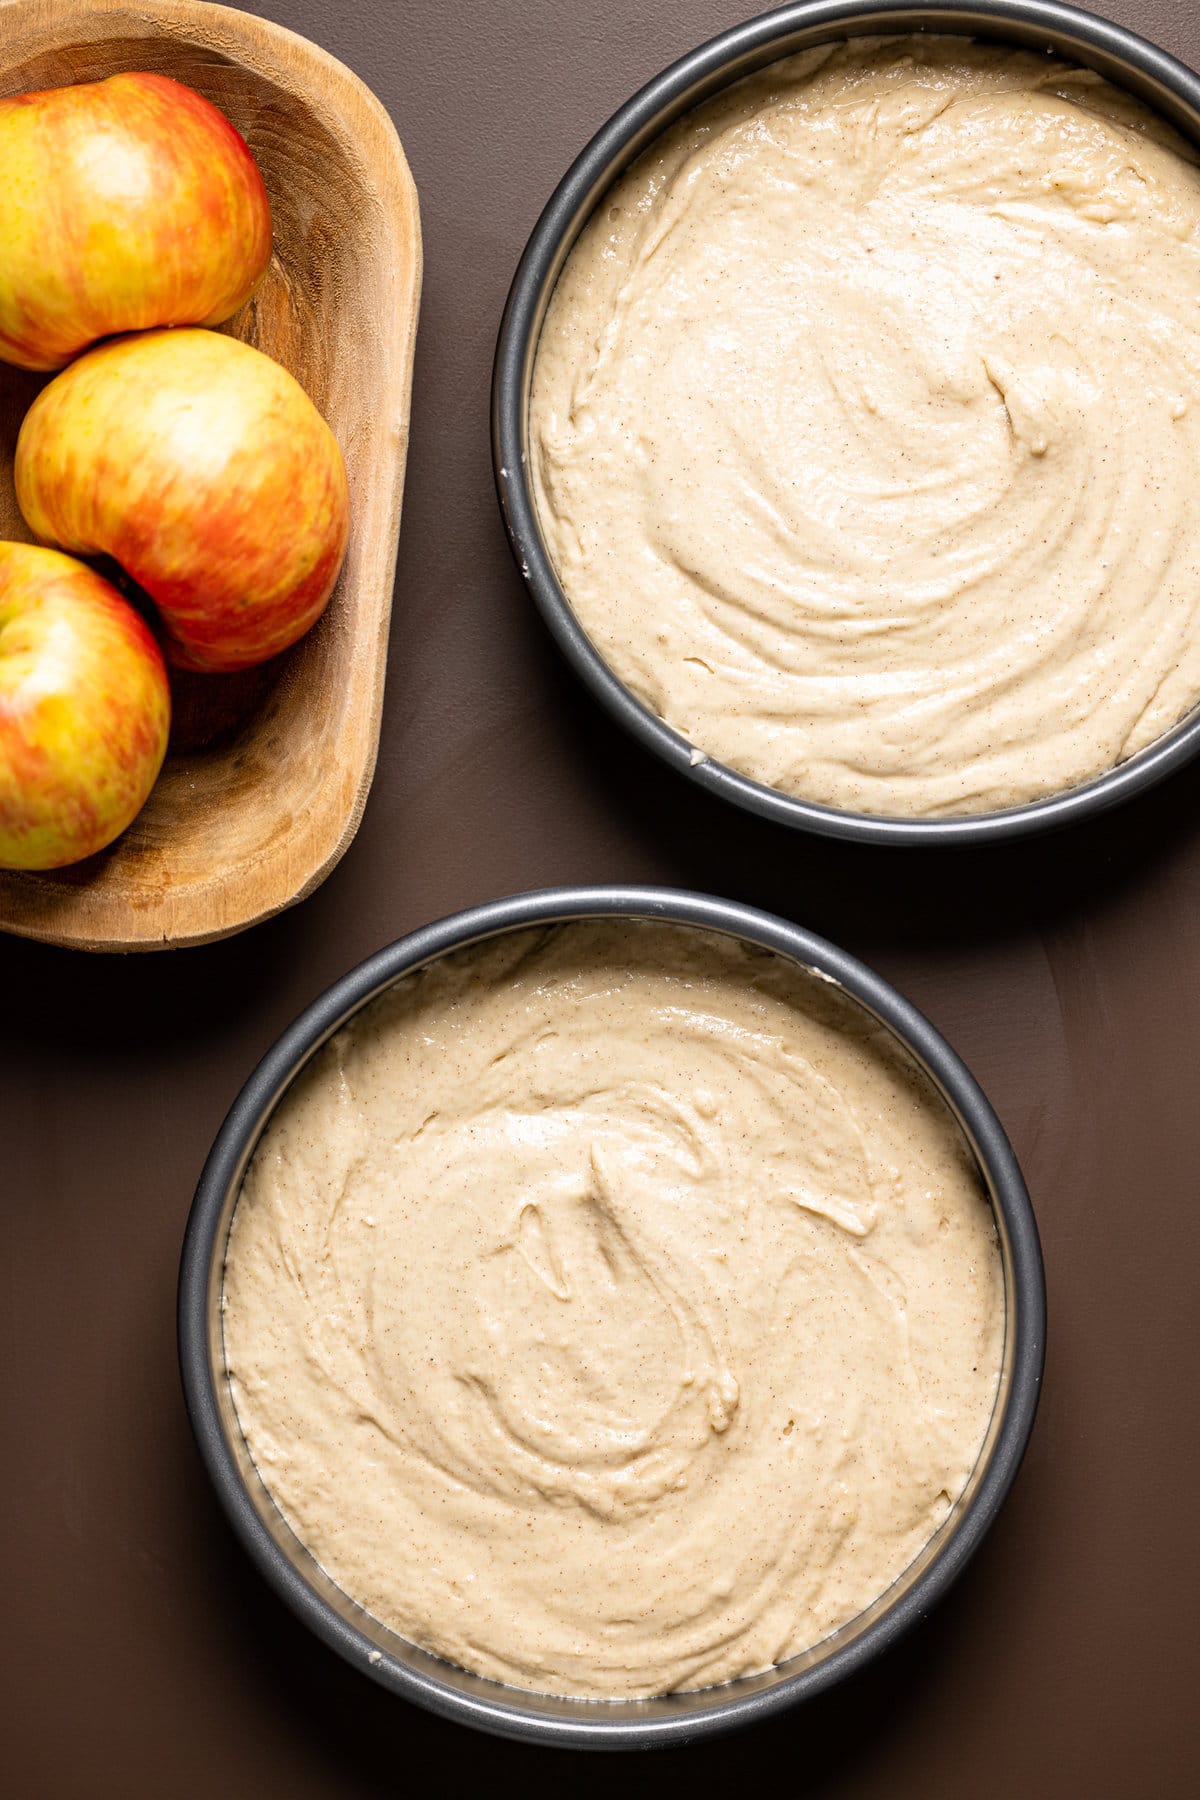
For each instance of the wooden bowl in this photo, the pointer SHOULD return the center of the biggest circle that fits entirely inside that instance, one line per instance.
(268, 770)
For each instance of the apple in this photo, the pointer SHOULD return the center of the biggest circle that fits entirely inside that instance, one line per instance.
(205, 470)
(124, 204)
(84, 709)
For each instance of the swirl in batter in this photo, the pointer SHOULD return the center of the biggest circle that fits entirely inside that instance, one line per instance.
(865, 426)
(612, 1310)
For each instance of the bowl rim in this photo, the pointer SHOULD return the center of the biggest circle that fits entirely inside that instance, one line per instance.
(489, 1705)
(1122, 55)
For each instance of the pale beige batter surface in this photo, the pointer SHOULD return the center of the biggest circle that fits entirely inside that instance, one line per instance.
(866, 420)
(610, 1310)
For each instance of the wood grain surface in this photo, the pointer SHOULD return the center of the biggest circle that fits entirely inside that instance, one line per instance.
(141, 1655)
(268, 771)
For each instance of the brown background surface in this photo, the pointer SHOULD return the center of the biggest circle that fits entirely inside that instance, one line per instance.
(141, 1655)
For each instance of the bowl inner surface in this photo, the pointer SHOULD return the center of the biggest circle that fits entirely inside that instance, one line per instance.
(293, 319)
(1139, 68)
(470, 1698)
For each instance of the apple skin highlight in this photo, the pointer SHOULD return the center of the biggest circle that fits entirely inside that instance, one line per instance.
(124, 204)
(84, 710)
(204, 469)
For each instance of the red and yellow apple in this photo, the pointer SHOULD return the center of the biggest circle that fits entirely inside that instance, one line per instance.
(84, 709)
(124, 204)
(205, 470)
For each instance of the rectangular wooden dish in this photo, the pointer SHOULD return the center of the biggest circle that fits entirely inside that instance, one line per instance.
(268, 772)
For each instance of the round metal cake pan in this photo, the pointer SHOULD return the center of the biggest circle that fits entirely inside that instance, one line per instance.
(1121, 56)
(470, 1699)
